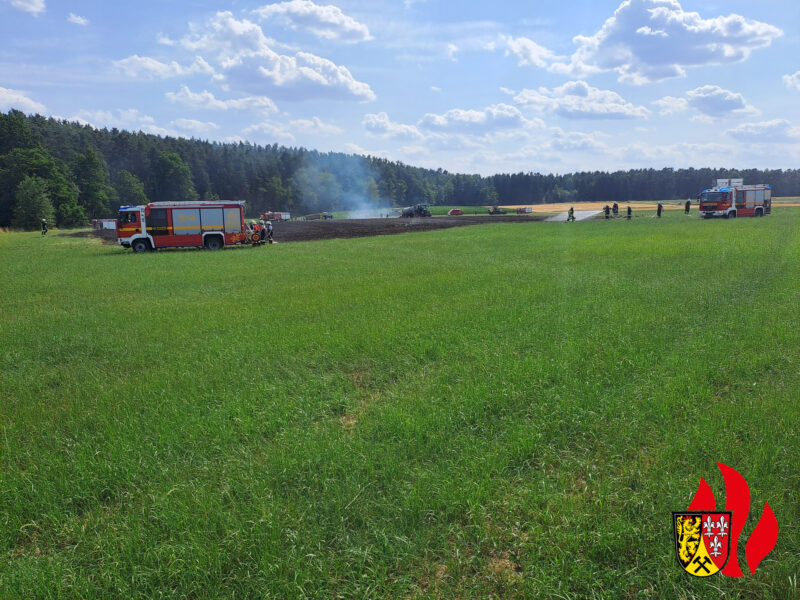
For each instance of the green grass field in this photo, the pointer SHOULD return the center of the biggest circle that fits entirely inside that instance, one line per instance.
(504, 411)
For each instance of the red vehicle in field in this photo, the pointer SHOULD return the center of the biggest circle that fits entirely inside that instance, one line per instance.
(454, 212)
(211, 225)
(730, 198)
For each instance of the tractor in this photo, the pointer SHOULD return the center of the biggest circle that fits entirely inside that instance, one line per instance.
(418, 210)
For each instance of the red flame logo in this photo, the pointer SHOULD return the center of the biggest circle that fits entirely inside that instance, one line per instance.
(737, 500)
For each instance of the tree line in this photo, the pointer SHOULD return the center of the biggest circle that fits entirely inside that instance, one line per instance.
(71, 172)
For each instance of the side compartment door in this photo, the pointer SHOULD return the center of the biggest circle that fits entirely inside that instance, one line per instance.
(186, 225)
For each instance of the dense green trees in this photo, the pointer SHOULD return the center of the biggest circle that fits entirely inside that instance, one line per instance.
(91, 178)
(37, 161)
(32, 204)
(90, 172)
(129, 191)
(171, 179)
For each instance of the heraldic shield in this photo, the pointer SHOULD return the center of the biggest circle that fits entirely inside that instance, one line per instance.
(702, 541)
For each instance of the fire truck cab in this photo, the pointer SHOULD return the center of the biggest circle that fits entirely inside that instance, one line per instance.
(211, 225)
(730, 198)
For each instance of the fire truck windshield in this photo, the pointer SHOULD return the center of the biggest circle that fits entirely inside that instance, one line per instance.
(127, 217)
(712, 197)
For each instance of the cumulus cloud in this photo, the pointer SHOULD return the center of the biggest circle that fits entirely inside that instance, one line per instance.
(144, 67)
(327, 22)
(492, 118)
(270, 132)
(792, 81)
(652, 40)
(18, 99)
(575, 141)
(579, 100)
(528, 52)
(380, 125)
(129, 119)
(32, 6)
(710, 100)
(670, 105)
(766, 132)
(194, 126)
(680, 155)
(207, 100)
(248, 61)
(315, 125)
(73, 18)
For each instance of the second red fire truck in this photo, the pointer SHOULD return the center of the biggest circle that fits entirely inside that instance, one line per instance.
(730, 198)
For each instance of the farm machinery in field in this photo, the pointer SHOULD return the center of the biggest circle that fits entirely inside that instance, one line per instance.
(418, 210)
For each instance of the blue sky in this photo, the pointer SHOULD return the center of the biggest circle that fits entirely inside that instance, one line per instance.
(542, 85)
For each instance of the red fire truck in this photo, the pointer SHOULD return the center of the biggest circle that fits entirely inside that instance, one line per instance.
(731, 198)
(211, 225)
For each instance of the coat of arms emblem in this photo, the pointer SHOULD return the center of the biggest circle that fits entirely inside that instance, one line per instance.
(702, 541)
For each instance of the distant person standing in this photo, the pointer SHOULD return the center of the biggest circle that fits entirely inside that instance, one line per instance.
(630, 212)
(659, 210)
(688, 206)
(571, 214)
(269, 232)
(44, 227)
(607, 211)
(615, 209)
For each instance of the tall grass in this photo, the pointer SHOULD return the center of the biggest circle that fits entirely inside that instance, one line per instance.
(507, 411)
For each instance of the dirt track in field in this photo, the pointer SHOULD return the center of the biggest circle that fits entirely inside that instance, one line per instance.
(305, 231)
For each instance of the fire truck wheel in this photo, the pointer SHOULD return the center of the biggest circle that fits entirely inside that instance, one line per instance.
(732, 215)
(255, 238)
(759, 213)
(214, 242)
(140, 246)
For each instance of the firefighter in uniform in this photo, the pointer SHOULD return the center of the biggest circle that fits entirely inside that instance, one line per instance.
(571, 214)
(659, 209)
(606, 211)
(269, 232)
(44, 226)
(688, 206)
(629, 212)
(615, 209)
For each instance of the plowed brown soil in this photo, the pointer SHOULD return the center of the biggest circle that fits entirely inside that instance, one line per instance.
(304, 231)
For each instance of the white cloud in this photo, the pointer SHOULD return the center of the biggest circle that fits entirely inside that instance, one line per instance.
(207, 100)
(73, 18)
(579, 100)
(315, 125)
(792, 81)
(576, 141)
(327, 22)
(270, 132)
(194, 126)
(32, 6)
(491, 118)
(129, 119)
(18, 99)
(436, 89)
(452, 49)
(766, 132)
(712, 101)
(670, 105)
(681, 155)
(528, 52)
(651, 40)
(248, 61)
(380, 125)
(144, 67)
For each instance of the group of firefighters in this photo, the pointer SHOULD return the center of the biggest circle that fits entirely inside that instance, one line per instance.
(262, 232)
(614, 209)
